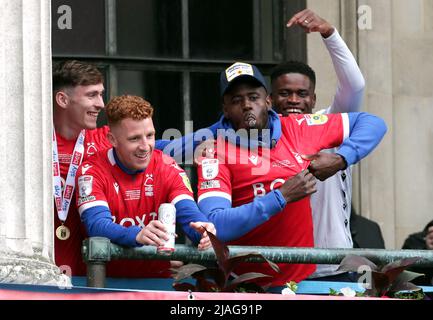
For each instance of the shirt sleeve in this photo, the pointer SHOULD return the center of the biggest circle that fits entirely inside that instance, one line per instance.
(311, 133)
(366, 132)
(358, 133)
(89, 188)
(351, 83)
(214, 199)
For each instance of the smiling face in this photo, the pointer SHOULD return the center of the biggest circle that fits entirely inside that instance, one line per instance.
(293, 93)
(246, 106)
(134, 141)
(83, 104)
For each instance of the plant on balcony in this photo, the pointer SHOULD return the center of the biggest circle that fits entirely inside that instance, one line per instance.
(389, 280)
(217, 279)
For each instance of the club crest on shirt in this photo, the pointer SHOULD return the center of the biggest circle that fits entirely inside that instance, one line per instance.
(316, 119)
(148, 185)
(91, 148)
(85, 185)
(185, 180)
(209, 168)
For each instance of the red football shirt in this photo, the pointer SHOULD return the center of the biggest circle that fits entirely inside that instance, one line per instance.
(132, 199)
(68, 252)
(239, 174)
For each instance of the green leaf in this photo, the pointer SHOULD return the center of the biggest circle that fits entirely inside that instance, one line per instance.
(353, 262)
(333, 292)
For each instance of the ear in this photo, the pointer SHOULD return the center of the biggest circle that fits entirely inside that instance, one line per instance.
(112, 138)
(313, 101)
(268, 102)
(61, 99)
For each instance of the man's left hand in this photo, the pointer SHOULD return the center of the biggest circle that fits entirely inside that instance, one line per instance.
(323, 164)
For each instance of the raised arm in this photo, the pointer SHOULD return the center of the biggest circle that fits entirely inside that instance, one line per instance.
(351, 83)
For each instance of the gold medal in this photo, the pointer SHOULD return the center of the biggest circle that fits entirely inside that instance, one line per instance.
(62, 232)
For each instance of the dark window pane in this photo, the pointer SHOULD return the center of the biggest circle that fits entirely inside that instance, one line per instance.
(87, 22)
(221, 29)
(205, 99)
(149, 28)
(162, 90)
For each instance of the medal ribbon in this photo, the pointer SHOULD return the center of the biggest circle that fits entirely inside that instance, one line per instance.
(63, 201)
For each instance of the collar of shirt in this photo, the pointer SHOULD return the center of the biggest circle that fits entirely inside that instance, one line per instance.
(121, 166)
(265, 140)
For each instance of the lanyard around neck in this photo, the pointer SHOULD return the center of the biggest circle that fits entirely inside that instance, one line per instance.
(63, 201)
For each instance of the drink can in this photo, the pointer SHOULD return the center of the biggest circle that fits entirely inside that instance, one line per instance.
(167, 215)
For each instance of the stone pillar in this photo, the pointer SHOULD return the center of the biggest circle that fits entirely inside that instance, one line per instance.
(26, 203)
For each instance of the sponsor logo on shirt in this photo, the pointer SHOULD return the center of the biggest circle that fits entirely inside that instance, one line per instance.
(316, 119)
(139, 221)
(259, 188)
(82, 200)
(210, 184)
(185, 180)
(85, 184)
(209, 168)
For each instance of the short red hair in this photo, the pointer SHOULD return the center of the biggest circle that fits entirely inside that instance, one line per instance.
(127, 106)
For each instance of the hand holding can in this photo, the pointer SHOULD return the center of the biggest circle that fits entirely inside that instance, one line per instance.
(167, 216)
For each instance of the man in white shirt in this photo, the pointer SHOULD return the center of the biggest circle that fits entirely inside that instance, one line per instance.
(293, 86)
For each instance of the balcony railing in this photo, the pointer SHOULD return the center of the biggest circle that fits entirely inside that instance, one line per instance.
(98, 251)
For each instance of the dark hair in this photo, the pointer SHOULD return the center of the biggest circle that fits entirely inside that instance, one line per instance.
(72, 73)
(294, 67)
(127, 106)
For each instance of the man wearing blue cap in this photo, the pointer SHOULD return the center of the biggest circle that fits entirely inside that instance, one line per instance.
(256, 155)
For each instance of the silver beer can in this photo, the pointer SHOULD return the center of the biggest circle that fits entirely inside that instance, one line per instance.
(167, 215)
